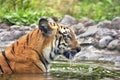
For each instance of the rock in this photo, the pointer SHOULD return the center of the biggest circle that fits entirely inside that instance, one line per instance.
(4, 44)
(78, 28)
(104, 41)
(86, 41)
(107, 57)
(18, 34)
(25, 28)
(12, 35)
(2, 30)
(113, 44)
(87, 22)
(115, 23)
(14, 27)
(115, 33)
(4, 26)
(95, 43)
(106, 32)
(104, 24)
(90, 31)
(88, 53)
(118, 46)
(68, 20)
(92, 53)
(6, 36)
(33, 26)
(117, 61)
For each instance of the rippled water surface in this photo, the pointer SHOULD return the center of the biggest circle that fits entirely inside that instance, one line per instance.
(84, 70)
(27, 77)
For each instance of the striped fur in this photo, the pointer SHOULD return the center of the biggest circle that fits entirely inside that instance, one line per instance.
(34, 51)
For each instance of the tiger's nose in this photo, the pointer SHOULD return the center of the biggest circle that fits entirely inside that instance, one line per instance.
(78, 49)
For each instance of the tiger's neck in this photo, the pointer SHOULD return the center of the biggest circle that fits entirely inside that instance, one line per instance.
(50, 52)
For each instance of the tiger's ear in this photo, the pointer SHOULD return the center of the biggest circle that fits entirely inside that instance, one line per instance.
(44, 27)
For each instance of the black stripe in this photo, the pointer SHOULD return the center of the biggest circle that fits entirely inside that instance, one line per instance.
(52, 50)
(7, 61)
(42, 59)
(24, 47)
(37, 66)
(51, 56)
(27, 39)
(64, 44)
(54, 24)
(55, 51)
(59, 40)
(31, 34)
(50, 23)
(51, 53)
(13, 50)
(1, 69)
(17, 43)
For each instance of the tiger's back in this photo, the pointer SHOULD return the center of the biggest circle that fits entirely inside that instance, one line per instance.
(34, 51)
(21, 52)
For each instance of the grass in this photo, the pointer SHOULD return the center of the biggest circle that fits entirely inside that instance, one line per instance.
(26, 12)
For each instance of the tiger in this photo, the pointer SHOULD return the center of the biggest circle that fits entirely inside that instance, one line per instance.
(34, 51)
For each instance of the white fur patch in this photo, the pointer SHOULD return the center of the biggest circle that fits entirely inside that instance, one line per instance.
(62, 30)
(46, 53)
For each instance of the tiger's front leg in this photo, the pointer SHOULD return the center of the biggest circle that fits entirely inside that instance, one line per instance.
(29, 61)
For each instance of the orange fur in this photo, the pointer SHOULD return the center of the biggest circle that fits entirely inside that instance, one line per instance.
(23, 57)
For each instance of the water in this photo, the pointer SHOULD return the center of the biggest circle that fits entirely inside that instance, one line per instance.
(28, 77)
(70, 71)
(85, 70)
(24, 77)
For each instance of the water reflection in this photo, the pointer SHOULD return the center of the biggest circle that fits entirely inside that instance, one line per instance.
(27, 77)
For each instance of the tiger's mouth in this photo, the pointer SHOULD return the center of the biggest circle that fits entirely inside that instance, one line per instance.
(70, 54)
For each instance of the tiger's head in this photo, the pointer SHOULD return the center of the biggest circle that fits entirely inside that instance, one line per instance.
(64, 40)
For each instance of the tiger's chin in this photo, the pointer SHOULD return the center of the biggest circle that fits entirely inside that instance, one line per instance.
(69, 54)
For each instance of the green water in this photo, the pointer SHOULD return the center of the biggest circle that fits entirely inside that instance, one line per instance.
(83, 70)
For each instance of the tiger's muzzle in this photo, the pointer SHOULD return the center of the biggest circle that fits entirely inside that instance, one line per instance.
(71, 53)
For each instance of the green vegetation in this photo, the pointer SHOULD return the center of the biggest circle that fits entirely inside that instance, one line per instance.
(82, 71)
(29, 11)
